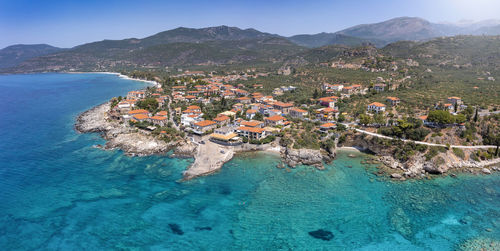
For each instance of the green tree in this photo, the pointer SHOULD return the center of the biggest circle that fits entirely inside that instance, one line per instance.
(315, 94)
(150, 104)
(460, 118)
(258, 116)
(379, 119)
(341, 118)
(440, 117)
(365, 119)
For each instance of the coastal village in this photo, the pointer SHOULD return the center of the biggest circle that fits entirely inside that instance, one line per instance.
(211, 117)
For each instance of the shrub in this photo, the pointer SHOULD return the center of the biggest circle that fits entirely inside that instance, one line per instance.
(459, 152)
(342, 139)
(439, 161)
(433, 152)
(421, 148)
(418, 134)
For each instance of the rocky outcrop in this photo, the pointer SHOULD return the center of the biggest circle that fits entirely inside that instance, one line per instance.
(434, 169)
(185, 150)
(94, 120)
(417, 166)
(120, 136)
(137, 144)
(309, 157)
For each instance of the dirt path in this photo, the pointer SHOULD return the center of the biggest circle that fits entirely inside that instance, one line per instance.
(418, 142)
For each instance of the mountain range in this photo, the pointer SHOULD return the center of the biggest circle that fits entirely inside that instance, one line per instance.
(224, 45)
(15, 54)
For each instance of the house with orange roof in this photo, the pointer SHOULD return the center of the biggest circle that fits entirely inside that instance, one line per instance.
(226, 87)
(326, 114)
(455, 100)
(253, 133)
(140, 117)
(393, 101)
(222, 120)
(138, 111)
(376, 107)
(162, 113)
(203, 126)
(238, 106)
(251, 113)
(252, 123)
(264, 109)
(351, 89)
(448, 107)
(283, 107)
(158, 120)
(240, 93)
(160, 101)
(190, 97)
(178, 98)
(298, 113)
(244, 100)
(327, 126)
(275, 120)
(424, 120)
(328, 101)
(194, 108)
(194, 93)
(178, 88)
(136, 95)
(228, 95)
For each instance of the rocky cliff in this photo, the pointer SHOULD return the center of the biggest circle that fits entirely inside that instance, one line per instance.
(416, 165)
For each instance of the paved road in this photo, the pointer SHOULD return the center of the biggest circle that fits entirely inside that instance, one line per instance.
(417, 142)
(171, 117)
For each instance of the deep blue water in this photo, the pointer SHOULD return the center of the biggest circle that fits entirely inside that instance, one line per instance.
(57, 192)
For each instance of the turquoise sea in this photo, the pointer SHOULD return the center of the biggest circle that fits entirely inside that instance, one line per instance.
(57, 192)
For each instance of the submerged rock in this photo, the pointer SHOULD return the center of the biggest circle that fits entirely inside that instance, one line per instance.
(486, 171)
(401, 222)
(203, 229)
(322, 234)
(176, 229)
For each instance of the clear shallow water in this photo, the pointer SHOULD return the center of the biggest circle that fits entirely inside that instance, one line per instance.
(57, 192)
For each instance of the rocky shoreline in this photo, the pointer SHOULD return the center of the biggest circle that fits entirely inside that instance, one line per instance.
(210, 157)
(119, 136)
(417, 166)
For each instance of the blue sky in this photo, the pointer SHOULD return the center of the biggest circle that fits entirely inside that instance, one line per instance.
(69, 23)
